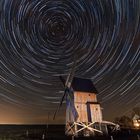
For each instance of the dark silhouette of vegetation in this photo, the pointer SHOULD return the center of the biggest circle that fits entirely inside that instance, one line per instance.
(124, 121)
(136, 111)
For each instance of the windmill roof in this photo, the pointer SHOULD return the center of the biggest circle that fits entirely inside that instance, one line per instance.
(136, 117)
(84, 85)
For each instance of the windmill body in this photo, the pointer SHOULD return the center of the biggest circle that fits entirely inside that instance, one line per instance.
(82, 110)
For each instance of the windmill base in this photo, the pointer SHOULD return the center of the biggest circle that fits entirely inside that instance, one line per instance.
(83, 129)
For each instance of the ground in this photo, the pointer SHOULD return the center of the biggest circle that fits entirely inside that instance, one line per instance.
(56, 132)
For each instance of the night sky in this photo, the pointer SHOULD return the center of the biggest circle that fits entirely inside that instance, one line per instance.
(38, 39)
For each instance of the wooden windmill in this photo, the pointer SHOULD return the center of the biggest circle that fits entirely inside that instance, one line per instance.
(82, 108)
(88, 109)
(83, 111)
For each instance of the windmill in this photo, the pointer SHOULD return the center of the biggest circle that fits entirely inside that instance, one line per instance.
(83, 112)
(72, 113)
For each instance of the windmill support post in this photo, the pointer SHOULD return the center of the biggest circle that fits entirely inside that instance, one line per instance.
(79, 128)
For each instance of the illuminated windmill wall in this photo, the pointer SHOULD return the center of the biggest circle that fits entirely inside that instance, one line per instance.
(85, 102)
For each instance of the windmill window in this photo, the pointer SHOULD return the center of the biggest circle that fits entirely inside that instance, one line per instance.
(96, 109)
(77, 106)
(88, 94)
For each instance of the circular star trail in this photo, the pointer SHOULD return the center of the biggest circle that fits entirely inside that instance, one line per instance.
(38, 42)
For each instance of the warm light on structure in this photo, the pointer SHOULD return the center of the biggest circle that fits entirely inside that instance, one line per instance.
(136, 121)
(136, 124)
(88, 108)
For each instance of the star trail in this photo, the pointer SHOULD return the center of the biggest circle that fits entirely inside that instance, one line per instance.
(38, 39)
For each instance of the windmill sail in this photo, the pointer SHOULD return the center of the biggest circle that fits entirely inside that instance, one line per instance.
(67, 91)
(70, 99)
(70, 103)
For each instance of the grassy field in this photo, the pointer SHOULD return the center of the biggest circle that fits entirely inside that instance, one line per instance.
(56, 132)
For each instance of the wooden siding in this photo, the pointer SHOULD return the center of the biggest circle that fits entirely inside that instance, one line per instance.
(87, 112)
(84, 97)
(96, 115)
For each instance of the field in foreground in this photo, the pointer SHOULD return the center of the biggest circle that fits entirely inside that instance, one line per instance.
(56, 132)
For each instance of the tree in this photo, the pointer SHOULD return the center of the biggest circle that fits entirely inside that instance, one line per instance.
(124, 121)
(136, 111)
